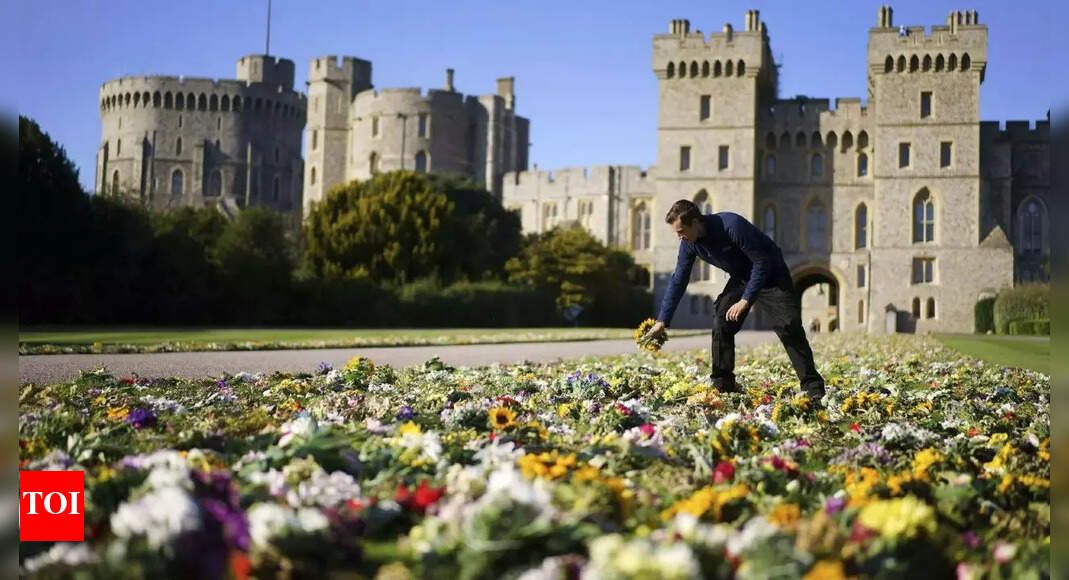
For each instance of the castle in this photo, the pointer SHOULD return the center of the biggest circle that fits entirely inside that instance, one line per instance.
(904, 211)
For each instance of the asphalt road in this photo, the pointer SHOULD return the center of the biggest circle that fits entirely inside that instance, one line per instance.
(61, 367)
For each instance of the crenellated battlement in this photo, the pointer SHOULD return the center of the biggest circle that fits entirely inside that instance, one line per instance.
(729, 53)
(573, 180)
(1038, 130)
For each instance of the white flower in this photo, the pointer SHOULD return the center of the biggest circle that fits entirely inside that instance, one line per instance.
(1004, 552)
(266, 520)
(311, 520)
(726, 420)
(273, 479)
(65, 553)
(302, 426)
(327, 490)
(753, 533)
(159, 516)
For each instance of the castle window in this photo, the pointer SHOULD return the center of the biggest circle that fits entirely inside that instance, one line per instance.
(717, 71)
(118, 147)
(237, 104)
(926, 104)
(144, 99)
(213, 103)
(137, 99)
(832, 140)
(769, 222)
(156, 99)
(952, 62)
(862, 140)
(705, 68)
(903, 154)
(965, 62)
(671, 72)
(217, 144)
(224, 103)
(916, 308)
(176, 182)
(722, 157)
(422, 132)
(1030, 218)
(258, 104)
(703, 110)
(923, 217)
(202, 102)
(861, 227)
(728, 68)
(930, 308)
(914, 63)
(215, 184)
(923, 270)
(785, 141)
(179, 101)
(862, 165)
(770, 165)
(115, 182)
(926, 65)
(274, 188)
(312, 176)
(816, 226)
(315, 139)
(549, 215)
(861, 276)
(901, 64)
(218, 123)
(848, 141)
(861, 312)
(640, 228)
(693, 70)
(375, 126)
(816, 165)
(889, 64)
(816, 141)
(945, 153)
(421, 162)
(939, 63)
(179, 121)
(799, 140)
(168, 100)
(373, 163)
(684, 158)
(741, 69)
(770, 141)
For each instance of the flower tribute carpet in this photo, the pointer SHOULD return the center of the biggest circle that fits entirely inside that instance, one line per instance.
(921, 461)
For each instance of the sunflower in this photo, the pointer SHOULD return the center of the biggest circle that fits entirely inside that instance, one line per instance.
(502, 418)
(652, 344)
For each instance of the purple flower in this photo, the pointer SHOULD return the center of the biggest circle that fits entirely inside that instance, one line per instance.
(406, 413)
(222, 384)
(141, 418)
(834, 505)
(971, 539)
(324, 368)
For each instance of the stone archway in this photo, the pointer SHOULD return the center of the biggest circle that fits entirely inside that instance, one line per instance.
(821, 300)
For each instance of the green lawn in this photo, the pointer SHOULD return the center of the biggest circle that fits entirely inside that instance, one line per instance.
(112, 339)
(1008, 351)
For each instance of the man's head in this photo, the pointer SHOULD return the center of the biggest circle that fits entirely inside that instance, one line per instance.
(685, 219)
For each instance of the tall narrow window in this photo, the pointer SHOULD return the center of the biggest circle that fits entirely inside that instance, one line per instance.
(373, 163)
(374, 126)
(862, 276)
(816, 226)
(722, 157)
(118, 147)
(176, 182)
(945, 154)
(861, 227)
(770, 165)
(930, 308)
(549, 215)
(312, 177)
(923, 217)
(178, 146)
(816, 165)
(903, 154)
(926, 104)
(421, 162)
(684, 158)
(923, 270)
(916, 308)
(1031, 228)
(862, 165)
(861, 312)
(115, 182)
(215, 184)
(315, 139)
(422, 125)
(640, 228)
(704, 108)
(769, 222)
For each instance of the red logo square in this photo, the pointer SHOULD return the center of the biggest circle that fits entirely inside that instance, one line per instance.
(51, 506)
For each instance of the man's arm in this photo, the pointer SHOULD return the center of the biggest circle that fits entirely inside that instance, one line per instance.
(677, 285)
(749, 239)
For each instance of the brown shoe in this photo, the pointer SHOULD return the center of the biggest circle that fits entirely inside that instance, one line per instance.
(727, 386)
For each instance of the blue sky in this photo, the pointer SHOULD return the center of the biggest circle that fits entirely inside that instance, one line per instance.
(582, 68)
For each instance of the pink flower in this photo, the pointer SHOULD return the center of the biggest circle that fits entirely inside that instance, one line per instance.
(647, 429)
(725, 470)
(1004, 552)
(855, 427)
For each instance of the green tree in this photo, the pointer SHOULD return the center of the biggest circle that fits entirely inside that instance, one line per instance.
(184, 277)
(487, 233)
(257, 267)
(392, 228)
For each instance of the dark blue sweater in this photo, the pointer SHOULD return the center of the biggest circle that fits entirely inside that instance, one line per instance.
(734, 245)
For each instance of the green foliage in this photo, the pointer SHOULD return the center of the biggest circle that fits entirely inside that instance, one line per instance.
(475, 304)
(1024, 302)
(1029, 327)
(580, 270)
(487, 233)
(392, 228)
(984, 315)
(254, 257)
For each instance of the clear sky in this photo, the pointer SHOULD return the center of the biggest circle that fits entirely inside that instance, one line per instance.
(582, 68)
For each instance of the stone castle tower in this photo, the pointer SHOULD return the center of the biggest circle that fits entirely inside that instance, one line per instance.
(354, 130)
(182, 141)
(907, 210)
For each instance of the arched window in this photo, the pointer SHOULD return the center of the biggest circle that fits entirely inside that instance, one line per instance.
(671, 72)
(861, 227)
(923, 217)
(952, 62)
(682, 69)
(421, 162)
(741, 69)
(770, 165)
(889, 64)
(914, 63)
(137, 99)
(224, 103)
(816, 141)
(213, 103)
(799, 140)
(705, 68)
(770, 141)
(312, 176)
(178, 146)
(157, 100)
(916, 308)
(965, 62)
(930, 308)
(728, 66)
(862, 140)
(832, 140)
(926, 64)
(274, 188)
(144, 99)
(816, 165)
(939, 63)
(191, 101)
(215, 184)
(785, 141)
(848, 141)
(176, 182)
(115, 182)
(549, 216)
(179, 101)
(693, 69)
(1030, 225)
(202, 102)
(168, 100)
(237, 103)
(769, 222)
(373, 163)
(717, 71)
(259, 104)
(862, 165)
(901, 65)
(816, 226)
(640, 228)
(704, 271)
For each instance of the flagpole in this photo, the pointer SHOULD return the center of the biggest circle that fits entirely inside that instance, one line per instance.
(267, 50)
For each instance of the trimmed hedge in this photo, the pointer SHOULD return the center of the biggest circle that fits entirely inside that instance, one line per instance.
(1025, 302)
(1029, 327)
(984, 315)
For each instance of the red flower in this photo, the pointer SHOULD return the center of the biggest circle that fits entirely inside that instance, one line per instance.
(767, 399)
(127, 380)
(724, 471)
(855, 427)
(355, 504)
(623, 410)
(647, 429)
(508, 401)
(1009, 415)
(240, 566)
(860, 533)
(423, 497)
(493, 436)
(973, 431)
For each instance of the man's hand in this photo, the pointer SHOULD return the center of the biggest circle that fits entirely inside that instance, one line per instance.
(655, 330)
(737, 310)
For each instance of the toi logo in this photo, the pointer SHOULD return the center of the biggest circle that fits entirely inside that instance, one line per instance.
(51, 506)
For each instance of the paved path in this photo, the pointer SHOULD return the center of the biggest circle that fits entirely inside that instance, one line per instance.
(62, 367)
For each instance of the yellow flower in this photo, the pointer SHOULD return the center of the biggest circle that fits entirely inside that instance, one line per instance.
(826, 570)
(118, 413)
(1004, 485)
(785, 515)
(904, 517)
(357, 361)
(859, 485)
(502, 418)
(563, 409)
(924, 459)
(409, 428)
(704, 501)
(549, 465)
(99, 400)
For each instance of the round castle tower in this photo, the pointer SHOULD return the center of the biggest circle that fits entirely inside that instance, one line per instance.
(182, 141)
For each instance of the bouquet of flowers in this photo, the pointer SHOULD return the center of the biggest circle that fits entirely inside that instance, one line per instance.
(650, 343)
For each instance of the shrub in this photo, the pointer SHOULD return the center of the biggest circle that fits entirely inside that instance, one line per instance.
(984, 315)
(1029, 327)
(1025, 302)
